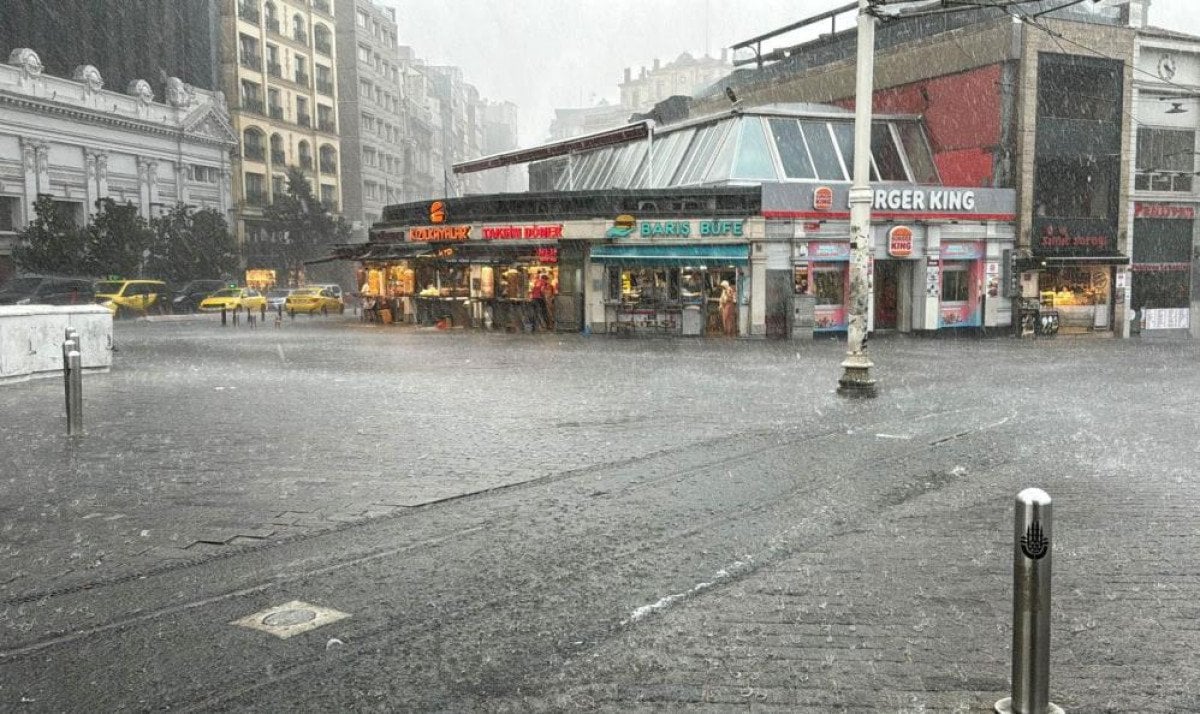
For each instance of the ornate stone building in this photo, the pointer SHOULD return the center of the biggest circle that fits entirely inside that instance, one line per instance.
(78, 142)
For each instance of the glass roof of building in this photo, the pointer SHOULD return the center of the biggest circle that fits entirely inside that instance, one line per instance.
(773, 143)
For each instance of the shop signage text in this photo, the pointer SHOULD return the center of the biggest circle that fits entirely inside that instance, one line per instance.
(439, 234)
(919, 199)
(1163, 210)
(900, 241)
(1061, 237)
(530, 232)
(684, 229)
(547, 255)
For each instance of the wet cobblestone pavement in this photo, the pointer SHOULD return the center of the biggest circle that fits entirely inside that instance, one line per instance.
(660, 525)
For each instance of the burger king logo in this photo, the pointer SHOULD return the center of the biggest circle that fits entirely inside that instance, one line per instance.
(822, 198)
(900, 241)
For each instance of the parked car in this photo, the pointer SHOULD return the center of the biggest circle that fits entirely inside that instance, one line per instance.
(312, 299)
(276, 297)
(188, 297)
(333, 288)
(126, 298)
(46, 290)
(234, 299)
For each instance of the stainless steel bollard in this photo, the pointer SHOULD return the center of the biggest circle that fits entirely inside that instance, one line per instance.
(1033, 536)
(68, 347)
(75, 403)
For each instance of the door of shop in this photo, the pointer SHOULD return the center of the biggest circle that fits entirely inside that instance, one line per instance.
(887, 293)
(779, 301)
(568, 303)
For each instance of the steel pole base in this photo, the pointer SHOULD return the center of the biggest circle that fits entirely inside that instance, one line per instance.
(1004, 706)
(856, 382)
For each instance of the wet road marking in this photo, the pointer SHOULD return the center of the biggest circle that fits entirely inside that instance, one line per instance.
(290, 619)
(669, 600)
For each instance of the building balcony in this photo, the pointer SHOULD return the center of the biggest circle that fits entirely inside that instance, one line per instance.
(304, 120)
(248, 12)
(329, 167)
(253, 105)
(327, 126)
(253, 153)
(252, 61)
(302, 79)
(275, 113)
(275, 69)
(324, 48)
(278, 158)
(325, 88)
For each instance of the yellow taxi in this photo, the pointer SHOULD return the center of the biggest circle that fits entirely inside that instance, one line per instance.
(312, 300)
(234, 298)
(134, 297)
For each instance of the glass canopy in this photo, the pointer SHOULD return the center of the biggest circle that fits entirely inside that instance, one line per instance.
(772, 144)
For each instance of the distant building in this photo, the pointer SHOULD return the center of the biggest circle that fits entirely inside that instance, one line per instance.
(499, 135)
(78, 142)
(278, 68)
(371, 109)
(684, 76)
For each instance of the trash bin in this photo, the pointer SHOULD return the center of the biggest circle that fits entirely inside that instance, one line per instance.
(692, 322)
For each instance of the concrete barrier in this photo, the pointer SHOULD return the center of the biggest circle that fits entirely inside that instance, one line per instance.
(31, 338)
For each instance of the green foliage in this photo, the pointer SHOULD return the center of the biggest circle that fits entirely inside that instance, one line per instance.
(50, 244)
(190, 244)
(305, 228)
(117, 241)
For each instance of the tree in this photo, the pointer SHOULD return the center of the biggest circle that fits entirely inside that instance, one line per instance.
(51, 243)
(304, 228)
(118, 240)
(190, 244)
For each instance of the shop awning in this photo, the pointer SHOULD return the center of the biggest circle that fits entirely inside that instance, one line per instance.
(672, 255)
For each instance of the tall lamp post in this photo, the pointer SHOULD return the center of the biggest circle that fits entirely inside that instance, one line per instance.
(856, 380)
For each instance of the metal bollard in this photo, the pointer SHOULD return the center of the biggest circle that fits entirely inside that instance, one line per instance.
(75, 397)
(68, 347)
(222, 316)
(1033, 536)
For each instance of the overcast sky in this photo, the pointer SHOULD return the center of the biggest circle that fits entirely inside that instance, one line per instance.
(543, 54)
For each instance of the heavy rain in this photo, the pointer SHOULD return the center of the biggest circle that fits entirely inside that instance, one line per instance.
(403, 355)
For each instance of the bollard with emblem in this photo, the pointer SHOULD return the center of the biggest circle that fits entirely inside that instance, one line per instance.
(1033, 535)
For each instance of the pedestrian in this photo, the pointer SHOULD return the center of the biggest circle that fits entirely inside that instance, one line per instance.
(728, 306)
(538, 295)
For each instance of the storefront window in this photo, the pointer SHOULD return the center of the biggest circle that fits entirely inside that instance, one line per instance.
(829, 285)
(956, 283)
(441, 280)
(1065, 287)
(645, 286)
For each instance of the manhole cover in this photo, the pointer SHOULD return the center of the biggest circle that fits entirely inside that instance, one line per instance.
(289, 618)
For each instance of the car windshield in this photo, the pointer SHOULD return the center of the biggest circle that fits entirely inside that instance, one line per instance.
(307, 292)
(228, 293)
(278, 293)
(22, 285)
(109, 288)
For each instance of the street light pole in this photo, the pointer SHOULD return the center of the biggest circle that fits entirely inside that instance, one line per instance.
(856, 380)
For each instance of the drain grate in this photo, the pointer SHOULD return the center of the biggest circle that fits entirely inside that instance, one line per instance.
(290, 618)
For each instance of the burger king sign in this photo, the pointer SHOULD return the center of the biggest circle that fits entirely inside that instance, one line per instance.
(900, 242)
